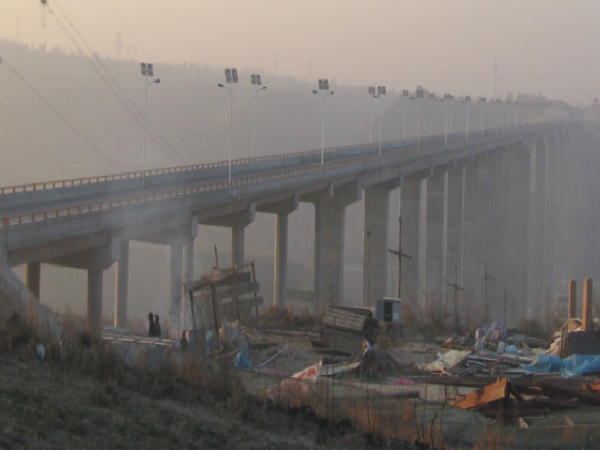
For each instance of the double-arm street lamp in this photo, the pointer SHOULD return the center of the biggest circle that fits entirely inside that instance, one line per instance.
(432, 99)
(380, 92)
(372, 95)
(467, 100)
(255, 80)
(419, 97)
(449, 99)
(323, 93)
(482, 101)
(231, 78)
(405, 95)
(147, 71)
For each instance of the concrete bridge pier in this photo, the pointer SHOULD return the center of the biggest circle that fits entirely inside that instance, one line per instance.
(454, 237)
(435, 239)
(122, 286)
(181, 245)
(33, 273)
(535, 284)
(95, 280)
(375, 254)
(518, 236)
(483, 225)
(410, 212)
(469, 279)
(282, 209)
(95, 261)
(330, 209)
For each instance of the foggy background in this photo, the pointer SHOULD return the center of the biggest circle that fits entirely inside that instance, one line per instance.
(541, 47)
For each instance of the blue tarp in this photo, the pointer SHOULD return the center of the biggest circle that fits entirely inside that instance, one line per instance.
(572, 366)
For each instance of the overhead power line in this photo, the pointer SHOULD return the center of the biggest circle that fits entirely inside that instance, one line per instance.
(122, 97)
(59, 115)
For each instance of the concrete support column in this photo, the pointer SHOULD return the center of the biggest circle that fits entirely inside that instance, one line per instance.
(434, 245)
(318, 262)
(410, 211)
(334, 222)
(237, 246)
(94, 300)
(282, 208)
(375, 255)
(469, 280)
(175, 307)
(32, 278)
(500, 283)
(518, 235)
(281, 259)
(121, 286)
(550, 219)
(188, 276)
(535, 284)
(483, 225)
(454, 234)
(540, 211)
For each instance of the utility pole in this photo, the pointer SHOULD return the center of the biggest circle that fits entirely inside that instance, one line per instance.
(400, 256)
(456, 289)
(486, 278)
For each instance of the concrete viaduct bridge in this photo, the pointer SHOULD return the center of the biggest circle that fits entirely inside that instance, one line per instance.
(463, 203)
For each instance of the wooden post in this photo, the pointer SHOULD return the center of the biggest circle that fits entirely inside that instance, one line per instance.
(213, 290)
(572, 303)
(588, 301)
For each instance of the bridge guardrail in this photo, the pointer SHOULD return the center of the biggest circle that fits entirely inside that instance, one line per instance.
(160, 195)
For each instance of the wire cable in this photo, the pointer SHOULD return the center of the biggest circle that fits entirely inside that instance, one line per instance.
(59, 115)
(134, 111)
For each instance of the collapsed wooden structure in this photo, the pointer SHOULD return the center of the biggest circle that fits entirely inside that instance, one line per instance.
(513, 398)
(224, 294)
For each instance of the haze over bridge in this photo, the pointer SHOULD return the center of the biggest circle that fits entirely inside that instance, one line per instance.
(464, 203)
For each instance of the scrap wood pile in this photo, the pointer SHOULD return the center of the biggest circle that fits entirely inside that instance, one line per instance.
(509, 399)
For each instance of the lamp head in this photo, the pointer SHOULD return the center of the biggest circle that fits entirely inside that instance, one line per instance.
(314, 92)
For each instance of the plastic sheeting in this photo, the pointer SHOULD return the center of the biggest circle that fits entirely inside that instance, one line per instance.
(574, 365)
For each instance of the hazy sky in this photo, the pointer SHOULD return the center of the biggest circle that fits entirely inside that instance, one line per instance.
(450, 45)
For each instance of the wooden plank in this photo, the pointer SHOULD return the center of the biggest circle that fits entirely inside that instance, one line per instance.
(301, 295)
(227, 292)
(490, 393)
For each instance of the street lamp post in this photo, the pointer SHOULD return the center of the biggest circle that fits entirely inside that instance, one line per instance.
(147, 71)
(419, 97)
(255, 79)
(431, 100)
(516, 115)
(482, 101)
(372, 95)
(231, 77)
(467, 100)
(448, 99)
(323, 87)
(380, 91)
(405, 95)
